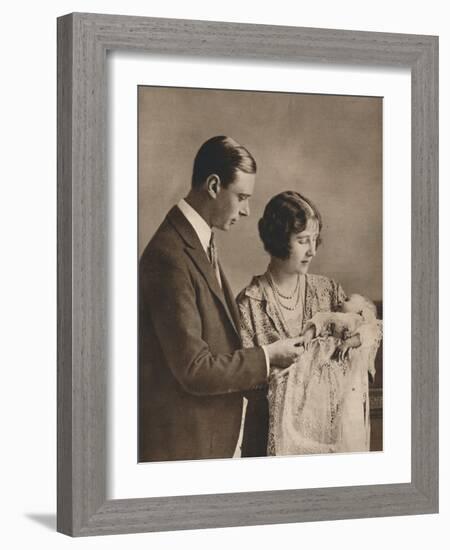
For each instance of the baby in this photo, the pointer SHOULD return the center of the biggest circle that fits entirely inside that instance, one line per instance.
(353, 325)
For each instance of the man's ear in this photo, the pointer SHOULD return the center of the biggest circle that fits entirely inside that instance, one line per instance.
(213, 185)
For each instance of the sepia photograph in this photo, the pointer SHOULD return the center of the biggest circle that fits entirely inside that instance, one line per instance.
(260, 223)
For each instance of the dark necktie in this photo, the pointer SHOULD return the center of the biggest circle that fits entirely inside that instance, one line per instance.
(213, 259)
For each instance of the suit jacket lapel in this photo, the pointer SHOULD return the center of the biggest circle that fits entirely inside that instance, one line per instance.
(197, 253)
(230, 301)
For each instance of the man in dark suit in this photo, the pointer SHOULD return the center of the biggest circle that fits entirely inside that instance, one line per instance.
(192, 368)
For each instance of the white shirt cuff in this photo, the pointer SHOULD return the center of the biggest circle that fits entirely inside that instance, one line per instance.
(266, 355)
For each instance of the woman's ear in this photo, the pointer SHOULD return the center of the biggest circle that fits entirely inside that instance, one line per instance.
(213, 185)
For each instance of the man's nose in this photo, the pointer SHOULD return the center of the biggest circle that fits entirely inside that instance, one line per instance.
(245, 209)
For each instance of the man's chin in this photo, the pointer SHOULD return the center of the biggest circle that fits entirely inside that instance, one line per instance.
(227, 226)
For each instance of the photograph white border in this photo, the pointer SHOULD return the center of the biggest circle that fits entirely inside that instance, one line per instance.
(127, 479)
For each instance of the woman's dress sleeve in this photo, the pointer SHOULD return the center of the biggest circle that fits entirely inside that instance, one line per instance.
(247, 328)
(338, 296)
(371, 335)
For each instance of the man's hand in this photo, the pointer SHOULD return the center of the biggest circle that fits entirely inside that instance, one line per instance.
(284, 352)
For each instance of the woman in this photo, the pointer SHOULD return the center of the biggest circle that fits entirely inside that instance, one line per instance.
(297, 409)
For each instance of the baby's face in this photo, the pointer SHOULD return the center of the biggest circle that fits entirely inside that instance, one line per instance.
(354, 304)
(358, 304)
(349, 306)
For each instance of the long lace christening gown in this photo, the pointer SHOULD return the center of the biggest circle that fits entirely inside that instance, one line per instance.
(319, 404)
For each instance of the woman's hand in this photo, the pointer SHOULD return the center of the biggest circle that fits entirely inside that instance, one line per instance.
(343, 349)
(306, 337)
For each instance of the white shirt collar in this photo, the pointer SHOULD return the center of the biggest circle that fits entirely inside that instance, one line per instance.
(198, 223)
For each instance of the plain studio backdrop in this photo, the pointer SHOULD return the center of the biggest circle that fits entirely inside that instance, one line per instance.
(326, 147)
(28, 289)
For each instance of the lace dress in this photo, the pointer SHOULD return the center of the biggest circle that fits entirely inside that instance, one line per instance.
(318, 404)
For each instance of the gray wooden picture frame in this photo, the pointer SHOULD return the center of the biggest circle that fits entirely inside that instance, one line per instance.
(83, 41)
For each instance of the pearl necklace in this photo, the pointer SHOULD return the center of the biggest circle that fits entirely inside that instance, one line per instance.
(278, 294)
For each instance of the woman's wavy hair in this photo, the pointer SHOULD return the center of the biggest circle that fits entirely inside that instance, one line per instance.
(285, 214)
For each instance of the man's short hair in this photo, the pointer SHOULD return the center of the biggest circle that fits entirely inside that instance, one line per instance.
(223, 156)
(285, 214)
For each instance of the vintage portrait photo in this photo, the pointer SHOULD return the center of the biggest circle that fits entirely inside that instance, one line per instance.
(260, 274)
